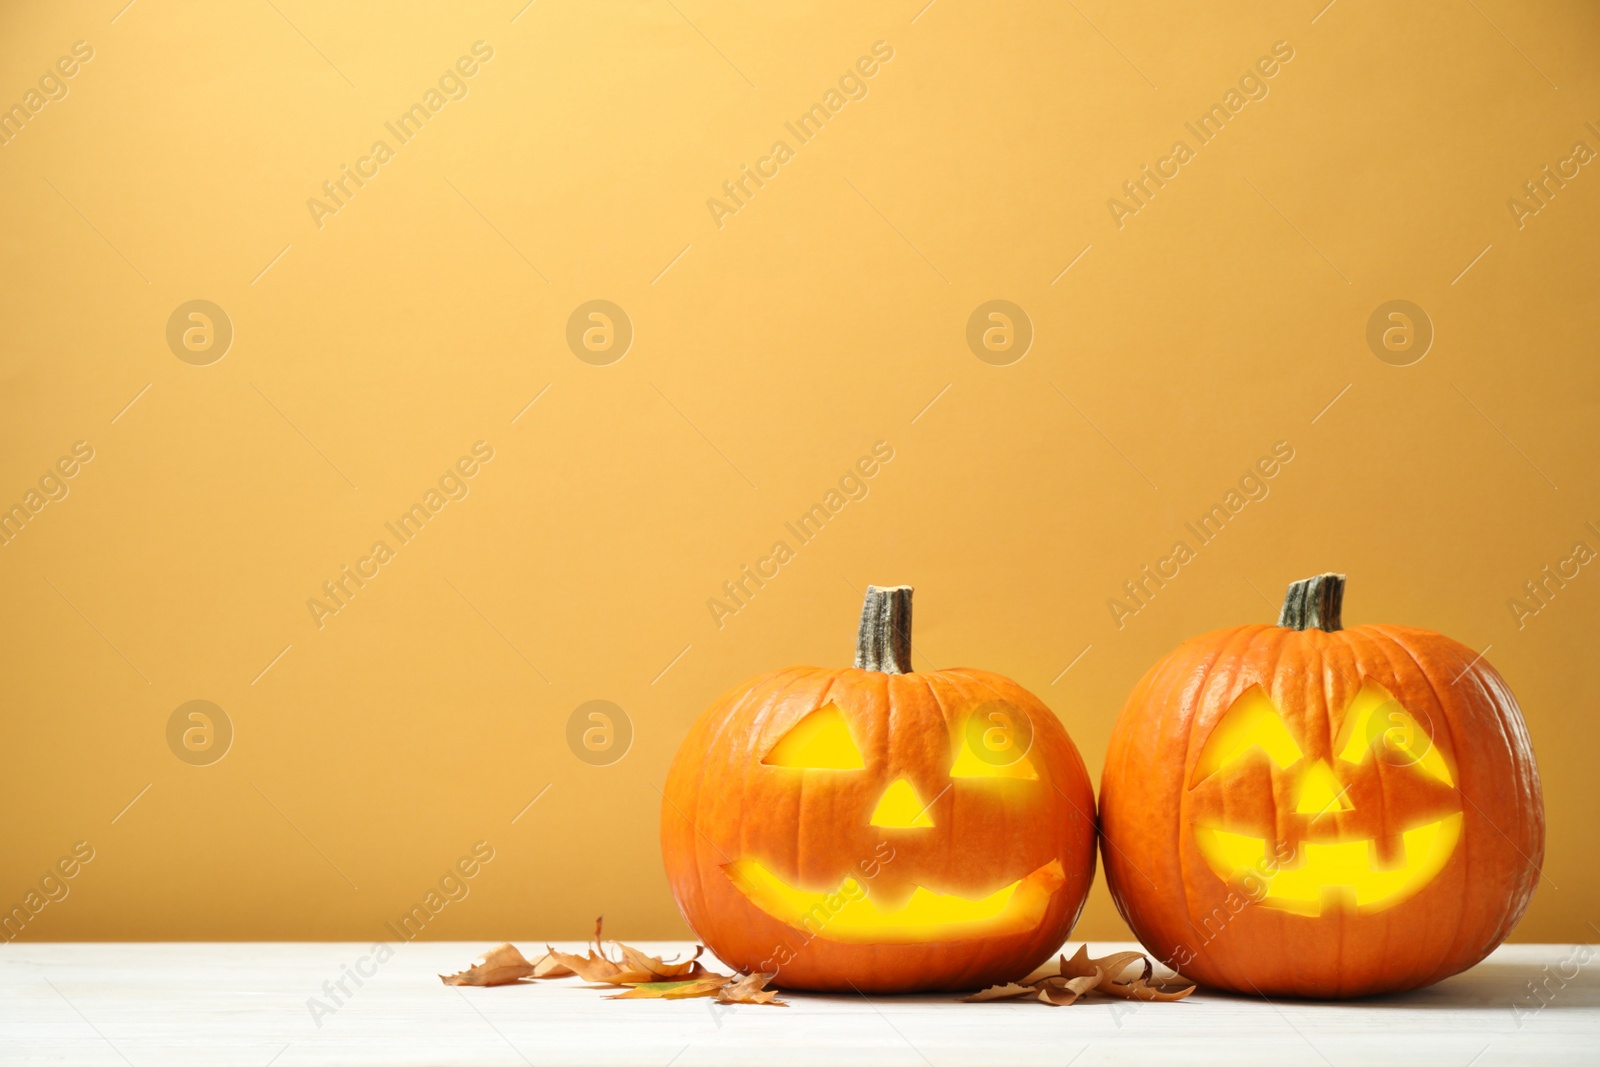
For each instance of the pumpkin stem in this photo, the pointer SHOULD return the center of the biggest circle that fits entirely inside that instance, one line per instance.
(1314, 603)
(883, 643)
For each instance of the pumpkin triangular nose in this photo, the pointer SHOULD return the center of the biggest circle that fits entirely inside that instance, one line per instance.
(901, 808)
(1320, 792)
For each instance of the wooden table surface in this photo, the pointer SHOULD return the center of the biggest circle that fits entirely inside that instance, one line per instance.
(247, 1004)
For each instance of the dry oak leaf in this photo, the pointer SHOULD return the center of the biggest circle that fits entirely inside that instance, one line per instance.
(1059, 992)
(662, 971)
(650, 977)
(547, 966)
(635, 967)
(1109, 967)
(1066, 980)
(1139, 989)
(698, 987)
(591, 967)
(501, 965)
(750, 989)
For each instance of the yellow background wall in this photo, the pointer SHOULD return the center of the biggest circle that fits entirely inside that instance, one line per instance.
(772, 346)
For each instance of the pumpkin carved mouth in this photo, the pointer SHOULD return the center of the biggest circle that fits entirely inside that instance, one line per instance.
(1328, 876)
(849, 914)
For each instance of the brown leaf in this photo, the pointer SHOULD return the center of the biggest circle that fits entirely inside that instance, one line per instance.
(591, 967)
(1052, 969)
(501, 965)
(607, 963)
(1059, 992)
(1139, 989)
(1067, 980)
(635, 967)
(659, 969)
(698, 987)
(1078, 966)
(547, 966)
(750, 989)
(1081, 966)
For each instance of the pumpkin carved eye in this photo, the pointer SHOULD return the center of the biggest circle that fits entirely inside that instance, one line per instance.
(1252, 722)
(1375, 718)
(994, 743)
(820, 741)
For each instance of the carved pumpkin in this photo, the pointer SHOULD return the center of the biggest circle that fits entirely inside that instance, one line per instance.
(1314, 811)
(876, 830)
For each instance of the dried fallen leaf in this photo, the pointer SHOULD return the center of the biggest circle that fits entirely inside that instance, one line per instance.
(631, 967)
(615, 964)
(699, 987)
(1081, 966)
(1066, 980)
(750, 989)
(662, 970)
(1139, 989)
(1059, 992)
(547, 966)
(591, 967)
(501, 965)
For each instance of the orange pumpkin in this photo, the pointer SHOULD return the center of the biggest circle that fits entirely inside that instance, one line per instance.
(876, 830)
(1312, 811)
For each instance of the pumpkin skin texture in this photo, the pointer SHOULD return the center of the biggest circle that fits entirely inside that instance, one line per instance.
(725, 806)
(1264, 734)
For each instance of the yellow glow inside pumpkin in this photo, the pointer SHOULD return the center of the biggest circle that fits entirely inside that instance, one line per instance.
(1374, 717)
(1320, 792)
(993, 747)
(820, 741)
(901, 808)
(1333, 875)
(1326, 875)
(851, 914)
(1252, 722)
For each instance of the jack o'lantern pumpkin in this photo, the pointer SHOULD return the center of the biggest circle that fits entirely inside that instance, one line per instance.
(877, 830)
(1313, 811)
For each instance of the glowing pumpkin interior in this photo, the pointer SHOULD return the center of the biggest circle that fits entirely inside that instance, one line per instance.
(1329, 865)
(992, 744)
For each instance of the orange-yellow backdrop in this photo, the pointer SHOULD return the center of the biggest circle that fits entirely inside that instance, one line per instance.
(380, 334)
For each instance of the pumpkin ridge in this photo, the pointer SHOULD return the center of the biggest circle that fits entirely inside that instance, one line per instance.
(1123, 752)
(1227, 639)
(1171, 673)
(829, 679)
(1274, 640)
(1465, 845)
(766, 690)
(710, 730)
(1375, 642)
(944, 714)
(1354, 641)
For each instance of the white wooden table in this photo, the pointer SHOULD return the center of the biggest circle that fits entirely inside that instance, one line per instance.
(246, 1004)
